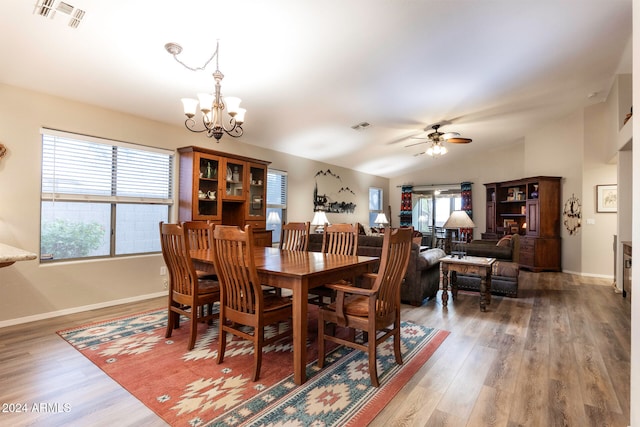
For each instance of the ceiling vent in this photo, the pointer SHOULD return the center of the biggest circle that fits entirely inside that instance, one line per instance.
(361, 126)
(48, 9)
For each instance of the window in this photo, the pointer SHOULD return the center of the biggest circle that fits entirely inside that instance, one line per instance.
(276, 202)
(375, 204)
(101, 198)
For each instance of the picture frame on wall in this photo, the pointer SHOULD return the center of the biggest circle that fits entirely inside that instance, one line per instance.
(607, 198)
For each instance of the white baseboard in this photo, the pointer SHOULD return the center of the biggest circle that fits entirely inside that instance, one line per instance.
(80, 309)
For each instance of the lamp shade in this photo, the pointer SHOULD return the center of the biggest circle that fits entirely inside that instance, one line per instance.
(273, 218)
(381, 219)
(319, 219)
(459, 219)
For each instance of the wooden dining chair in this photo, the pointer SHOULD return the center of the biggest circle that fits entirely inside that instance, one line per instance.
(188, 295)
(198, 234)
(339, 239)
(294, 236)
(374, 311)
(242, 302)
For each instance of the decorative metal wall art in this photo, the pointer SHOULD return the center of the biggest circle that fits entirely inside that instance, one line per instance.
(572, 215)
(336, 197)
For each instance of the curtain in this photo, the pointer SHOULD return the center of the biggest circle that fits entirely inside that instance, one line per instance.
(466, 205)
(406, 214)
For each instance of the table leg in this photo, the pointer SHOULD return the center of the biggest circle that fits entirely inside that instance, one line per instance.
(445, 284)
(300, 296)
(483, 290)
(454, 285)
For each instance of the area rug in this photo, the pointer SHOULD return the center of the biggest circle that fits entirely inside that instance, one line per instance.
(188, 388)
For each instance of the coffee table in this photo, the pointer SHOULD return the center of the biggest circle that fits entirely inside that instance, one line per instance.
(468, 264)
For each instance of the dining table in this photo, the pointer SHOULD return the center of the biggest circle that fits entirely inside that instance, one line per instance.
(297, 271)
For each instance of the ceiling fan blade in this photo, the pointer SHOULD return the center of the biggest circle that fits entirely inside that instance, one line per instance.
(416, 143)
(459, 140)
(450, 135)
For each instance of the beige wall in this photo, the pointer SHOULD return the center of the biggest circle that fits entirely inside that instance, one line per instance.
(31, 291)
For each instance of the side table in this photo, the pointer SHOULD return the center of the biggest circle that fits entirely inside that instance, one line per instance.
(469, 264)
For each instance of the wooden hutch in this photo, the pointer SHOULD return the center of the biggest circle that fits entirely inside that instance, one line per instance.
(223, 188)
(530, 207)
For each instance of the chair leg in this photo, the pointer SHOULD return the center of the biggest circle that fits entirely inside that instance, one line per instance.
(257, 352)
(222, 343)
(193, 323)
(170, 321)
(320, 340)
(373, 366)
(396, 344)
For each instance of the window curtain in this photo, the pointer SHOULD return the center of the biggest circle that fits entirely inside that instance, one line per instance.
(466, 205)
(406, 213)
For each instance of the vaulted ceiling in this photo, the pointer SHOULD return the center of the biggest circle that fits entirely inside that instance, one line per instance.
(491, 70)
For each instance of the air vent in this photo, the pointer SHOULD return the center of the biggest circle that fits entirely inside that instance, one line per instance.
(361, 126)
(47, 9)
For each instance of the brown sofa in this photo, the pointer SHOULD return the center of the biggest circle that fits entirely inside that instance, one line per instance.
(423, 272)
(505, 272)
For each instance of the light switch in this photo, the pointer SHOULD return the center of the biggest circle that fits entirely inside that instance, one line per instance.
(591, 221)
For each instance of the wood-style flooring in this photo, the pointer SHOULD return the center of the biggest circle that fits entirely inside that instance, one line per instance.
(556, 356)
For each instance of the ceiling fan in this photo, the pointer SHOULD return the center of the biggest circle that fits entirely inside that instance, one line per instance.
(437, 138)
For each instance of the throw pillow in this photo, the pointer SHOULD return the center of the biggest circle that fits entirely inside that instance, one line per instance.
(505, 241)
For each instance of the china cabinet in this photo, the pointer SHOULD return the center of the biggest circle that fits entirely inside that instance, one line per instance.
(223, 188)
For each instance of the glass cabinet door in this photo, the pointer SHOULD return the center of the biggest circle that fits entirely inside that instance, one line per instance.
(207, 188)
(234, 179)
(257, 191)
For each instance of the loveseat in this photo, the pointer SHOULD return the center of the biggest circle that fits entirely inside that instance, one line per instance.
(423, 272)
(505, 272)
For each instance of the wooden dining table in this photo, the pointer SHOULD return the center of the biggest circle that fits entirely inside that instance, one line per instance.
(298, 271)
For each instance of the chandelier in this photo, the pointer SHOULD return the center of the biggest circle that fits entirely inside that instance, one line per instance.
(212, 105)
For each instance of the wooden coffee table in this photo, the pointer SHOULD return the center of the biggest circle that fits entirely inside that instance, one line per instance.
(468, 264)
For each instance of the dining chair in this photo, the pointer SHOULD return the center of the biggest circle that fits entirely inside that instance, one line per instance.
(198, 234)
(339, 239)
(374, 311)
(242, 302)
(188, 295)
(294, 236)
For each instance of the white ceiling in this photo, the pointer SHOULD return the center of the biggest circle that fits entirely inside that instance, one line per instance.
(307, 71)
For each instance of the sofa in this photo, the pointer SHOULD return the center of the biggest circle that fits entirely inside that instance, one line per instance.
(423, 272)
(505, 272)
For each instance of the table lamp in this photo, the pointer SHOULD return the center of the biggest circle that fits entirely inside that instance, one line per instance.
(381, 220)
(319, 220)
(273, 219)
(456, 221)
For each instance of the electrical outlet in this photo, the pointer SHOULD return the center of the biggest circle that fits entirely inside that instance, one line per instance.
(165, 282)
(163, 271)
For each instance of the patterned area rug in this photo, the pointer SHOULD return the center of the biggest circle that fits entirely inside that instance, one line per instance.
(188, 388)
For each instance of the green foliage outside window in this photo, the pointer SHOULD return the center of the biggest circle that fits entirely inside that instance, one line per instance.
(68, 239)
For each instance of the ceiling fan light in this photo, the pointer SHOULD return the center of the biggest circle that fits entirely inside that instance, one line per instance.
(430, 151)
(443, 150)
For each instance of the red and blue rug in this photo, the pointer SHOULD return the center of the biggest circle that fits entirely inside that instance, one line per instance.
(188, 388)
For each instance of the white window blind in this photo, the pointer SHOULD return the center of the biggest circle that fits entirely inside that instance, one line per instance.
(87, 168)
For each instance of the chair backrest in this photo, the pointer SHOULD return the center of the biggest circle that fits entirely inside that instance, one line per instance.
(175, 251)
(295, 236)
(198, 233)
(240, 288)
(340, 239)
(396, 250)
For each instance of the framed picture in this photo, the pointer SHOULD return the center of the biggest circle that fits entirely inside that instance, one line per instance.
(606, 198)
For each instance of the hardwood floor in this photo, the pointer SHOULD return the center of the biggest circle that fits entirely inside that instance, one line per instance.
(559, 355)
